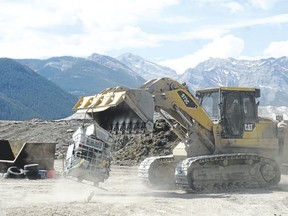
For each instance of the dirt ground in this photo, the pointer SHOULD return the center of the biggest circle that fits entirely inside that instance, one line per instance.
(123, 193)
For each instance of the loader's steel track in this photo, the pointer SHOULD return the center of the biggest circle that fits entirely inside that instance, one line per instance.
(158, 172)
(226, 172)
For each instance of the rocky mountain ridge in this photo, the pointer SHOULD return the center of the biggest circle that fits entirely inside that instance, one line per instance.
(270, 75)
(147, 69)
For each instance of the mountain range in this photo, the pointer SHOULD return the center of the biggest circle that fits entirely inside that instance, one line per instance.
(84, 76)
(88, 76)
(270, 75)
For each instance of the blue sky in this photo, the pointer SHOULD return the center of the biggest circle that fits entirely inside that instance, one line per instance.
(175, 33)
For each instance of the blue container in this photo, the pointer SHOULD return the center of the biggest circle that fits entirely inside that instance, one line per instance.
(43, 174)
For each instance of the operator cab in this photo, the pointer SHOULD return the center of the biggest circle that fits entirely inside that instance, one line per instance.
(235, 108)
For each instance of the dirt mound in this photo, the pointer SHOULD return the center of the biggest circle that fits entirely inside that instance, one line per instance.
(134, 149)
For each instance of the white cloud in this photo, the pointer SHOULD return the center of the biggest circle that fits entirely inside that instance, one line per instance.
(177, 19)
(277, 49)
(38, 28)
(111, 14)
(263, 4)
(128, 36)
(45, 28)
(273, 20)
(211, 32)
(223, 47)
(204, 34)
(234, 7)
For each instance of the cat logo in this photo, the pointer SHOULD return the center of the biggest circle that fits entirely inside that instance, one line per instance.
(249, 126)
(186, 99)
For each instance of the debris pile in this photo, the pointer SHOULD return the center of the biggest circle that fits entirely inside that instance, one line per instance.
(132, 149)
(30, 171)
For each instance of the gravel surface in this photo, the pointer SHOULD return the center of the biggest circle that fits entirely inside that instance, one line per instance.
(124, 195)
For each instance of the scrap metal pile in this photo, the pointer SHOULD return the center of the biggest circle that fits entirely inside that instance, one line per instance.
(88, 156)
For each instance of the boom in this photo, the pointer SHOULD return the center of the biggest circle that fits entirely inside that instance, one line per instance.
(176, 100)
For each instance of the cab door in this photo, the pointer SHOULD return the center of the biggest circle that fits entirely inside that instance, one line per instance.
(239, 113)
(250, 114)
(233, 115)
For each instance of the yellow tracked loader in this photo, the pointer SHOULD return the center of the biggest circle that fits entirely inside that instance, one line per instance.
(224, 143)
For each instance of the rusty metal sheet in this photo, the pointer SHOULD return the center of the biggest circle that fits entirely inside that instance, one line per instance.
(17, 153)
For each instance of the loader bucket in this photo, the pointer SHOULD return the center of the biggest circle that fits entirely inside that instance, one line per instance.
(120, 109)
(17, 153)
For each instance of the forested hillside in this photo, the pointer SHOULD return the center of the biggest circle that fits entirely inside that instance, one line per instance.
(25, 94)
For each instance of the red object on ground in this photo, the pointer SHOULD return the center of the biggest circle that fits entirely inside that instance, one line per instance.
(51, 174)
